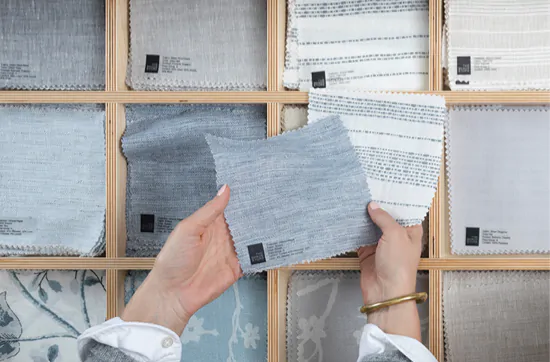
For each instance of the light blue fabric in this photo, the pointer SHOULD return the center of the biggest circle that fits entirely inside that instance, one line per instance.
(232, 328)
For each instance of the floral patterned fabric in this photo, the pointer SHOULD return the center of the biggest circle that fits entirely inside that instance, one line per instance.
(233, 328)
(43, 312)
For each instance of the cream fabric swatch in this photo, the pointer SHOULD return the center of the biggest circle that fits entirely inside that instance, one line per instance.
(499, 316)
(293, 117)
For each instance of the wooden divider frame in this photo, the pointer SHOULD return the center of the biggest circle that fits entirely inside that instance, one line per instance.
(116, 94)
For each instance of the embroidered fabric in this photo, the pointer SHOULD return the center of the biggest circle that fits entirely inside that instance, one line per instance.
(232, 328)
(399, 141)
(43, 312)
(53, 180)
(273, 225)
(31, 29)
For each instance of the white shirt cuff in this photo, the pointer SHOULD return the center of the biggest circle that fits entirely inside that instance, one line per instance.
(375, 341)
(143, 342)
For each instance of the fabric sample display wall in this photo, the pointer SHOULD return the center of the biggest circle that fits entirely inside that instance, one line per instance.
(232, 328)
(323, 318)
(198, 45)
(496, 316)
(74, 30)
(322, 215)
(399, 141)
(359, 44)
(171, 171)
(52, 170)
(43, 312)
(498, 163)
(498, 44)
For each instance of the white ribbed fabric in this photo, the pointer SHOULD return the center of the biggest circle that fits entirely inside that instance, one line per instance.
(498, 44)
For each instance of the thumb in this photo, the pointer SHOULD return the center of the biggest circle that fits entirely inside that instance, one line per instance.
(385, 221)
(211, 210)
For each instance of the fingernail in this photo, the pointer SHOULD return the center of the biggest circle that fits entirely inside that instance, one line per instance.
(222, 190)
(373, 205)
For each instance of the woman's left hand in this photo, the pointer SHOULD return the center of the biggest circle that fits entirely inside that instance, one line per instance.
(195, 266)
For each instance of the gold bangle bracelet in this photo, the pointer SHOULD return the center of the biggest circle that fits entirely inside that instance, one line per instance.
(418, 297)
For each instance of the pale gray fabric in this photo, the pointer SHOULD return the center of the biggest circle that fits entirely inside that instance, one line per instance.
(170, 168)
(322, 215)
(53, 44)
(52, 172)
(499, 316)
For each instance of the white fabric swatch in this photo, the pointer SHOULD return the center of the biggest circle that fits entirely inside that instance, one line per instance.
(293, 117)
(52, 172)
(198, 45)
(378, 45)
(399, 141)
(498, 44)
(498, 163)
(499, 316)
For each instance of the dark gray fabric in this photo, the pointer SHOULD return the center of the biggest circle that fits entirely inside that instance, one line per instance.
(390, 356)
(97, 352)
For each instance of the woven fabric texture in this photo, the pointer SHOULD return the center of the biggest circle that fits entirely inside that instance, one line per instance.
(293, 117)
(52, 44)
(499, 316)
(171, 171)
(323, 214)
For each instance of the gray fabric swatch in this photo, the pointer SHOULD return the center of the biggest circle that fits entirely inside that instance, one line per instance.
(324, 214)
(171, 171)
(54, 44)
(52, 172)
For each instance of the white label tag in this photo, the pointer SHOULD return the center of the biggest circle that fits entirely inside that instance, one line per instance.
(17, 228)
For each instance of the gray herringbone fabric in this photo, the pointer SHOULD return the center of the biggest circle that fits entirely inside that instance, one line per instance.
(171, 171)
(323, 214)
(53, 44)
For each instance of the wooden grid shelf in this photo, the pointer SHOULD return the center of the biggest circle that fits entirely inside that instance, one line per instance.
(117, 94)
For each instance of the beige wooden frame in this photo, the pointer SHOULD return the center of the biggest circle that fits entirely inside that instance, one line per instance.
(117, 94)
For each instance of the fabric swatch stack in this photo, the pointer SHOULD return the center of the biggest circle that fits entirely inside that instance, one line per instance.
(496, 316)
(43, 312)
(378, 45)
(498, 163)
(30, 30)
(323, 318)
(52, 167)
(498, 44)
(232, 328)
(198, 45)
(171, 171)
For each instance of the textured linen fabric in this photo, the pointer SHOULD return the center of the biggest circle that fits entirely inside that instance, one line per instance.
(43, 312)
(498, 164)
(323, 318)
(198, 44)
(232, 328)
(52, 172)
(322, 215)
(498, 44)
(171, 172)
(98, 352)
(53, 44)
(293, 117)
(499, 316)
(399, 141)
(359, 44)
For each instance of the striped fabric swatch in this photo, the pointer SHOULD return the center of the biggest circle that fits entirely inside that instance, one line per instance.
(323, 320)
(324, 212)
(52, 45)
(499, 316)
(198, 45)
(232, 328)
(377, 45)
(498, 44)
(498, 164)
(52, 171)
(399, 141)
(171, 171)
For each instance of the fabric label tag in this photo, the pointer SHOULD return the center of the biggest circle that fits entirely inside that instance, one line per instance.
(319, 79)
(147, 222)
(463, 66)
(16, 227)
(495, 237)
(256, 253)
(152, 224)
(472, 236)
(152, 63)
(15, 71)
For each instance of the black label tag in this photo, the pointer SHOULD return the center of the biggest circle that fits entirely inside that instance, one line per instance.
(152, 63)
(463, 66)
(256, 253)
(147, 223)
(318, 79)
(472, 236)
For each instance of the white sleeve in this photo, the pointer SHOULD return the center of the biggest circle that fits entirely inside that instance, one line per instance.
(143, 342)
(375, 342)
